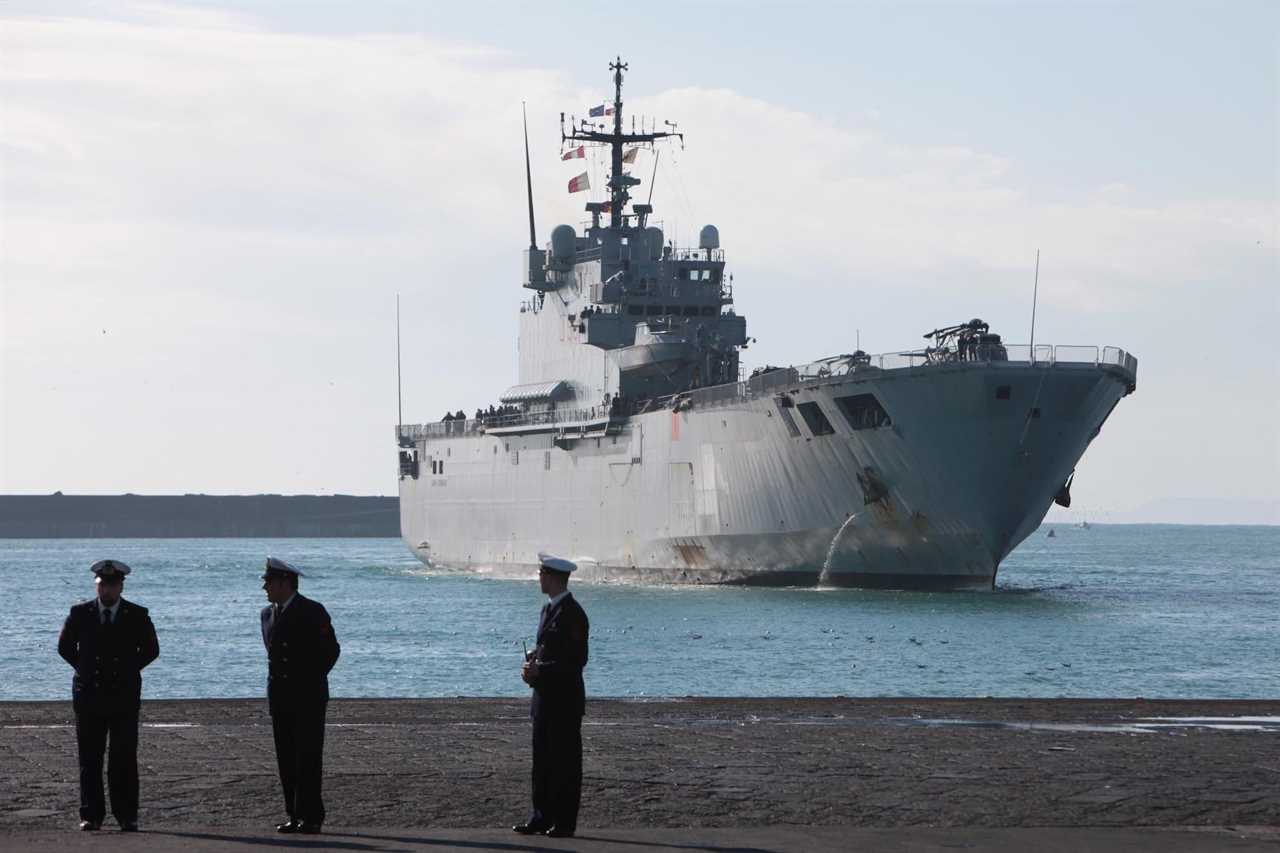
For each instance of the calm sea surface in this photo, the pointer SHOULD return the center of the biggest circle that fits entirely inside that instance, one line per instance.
(1115, 610)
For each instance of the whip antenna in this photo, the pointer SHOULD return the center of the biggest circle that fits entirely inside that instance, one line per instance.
(1035, 292)
(654, 178)
(399, 406)
(528, 177)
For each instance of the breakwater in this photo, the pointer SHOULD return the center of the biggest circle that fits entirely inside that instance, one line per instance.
(60, 516)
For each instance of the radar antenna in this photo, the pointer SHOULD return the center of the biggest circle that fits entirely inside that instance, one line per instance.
(619, 183)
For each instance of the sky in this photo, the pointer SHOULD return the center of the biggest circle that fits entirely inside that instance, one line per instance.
(207, 212)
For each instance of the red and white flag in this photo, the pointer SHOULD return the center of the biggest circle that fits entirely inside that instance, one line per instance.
(580, 183)
(575, 153)
(630, 155)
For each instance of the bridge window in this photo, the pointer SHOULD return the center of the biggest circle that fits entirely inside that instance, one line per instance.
(653, 310)
(863, 411)
(708, 310)
(691, 310)
(683, 275)
(672, 309)
(817, 421)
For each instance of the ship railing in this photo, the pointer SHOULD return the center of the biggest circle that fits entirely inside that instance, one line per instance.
(772, 379)
(768, 382)
(1041, 354)
(697, 254)
(408, 434)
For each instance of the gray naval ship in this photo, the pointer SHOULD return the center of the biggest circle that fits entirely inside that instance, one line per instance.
(632, 445)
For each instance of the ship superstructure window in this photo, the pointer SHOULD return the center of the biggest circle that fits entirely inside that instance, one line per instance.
(708, 310)
(863, 411)
(691, 310)
(653, 310)
(817, 421)
(787, 419)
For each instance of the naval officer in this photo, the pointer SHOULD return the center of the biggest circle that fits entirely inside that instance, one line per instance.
(301, 649)
(554, 671)
(109, 641)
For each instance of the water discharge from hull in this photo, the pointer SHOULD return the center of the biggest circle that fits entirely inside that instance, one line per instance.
(824, 576)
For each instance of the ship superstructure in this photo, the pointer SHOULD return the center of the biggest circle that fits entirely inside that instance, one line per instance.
(631, 443)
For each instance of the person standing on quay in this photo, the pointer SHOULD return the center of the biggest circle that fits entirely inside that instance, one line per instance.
(301, 649)
(554, 671)
(109, 641)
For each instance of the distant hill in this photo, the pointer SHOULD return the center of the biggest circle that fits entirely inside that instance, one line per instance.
(60, 516)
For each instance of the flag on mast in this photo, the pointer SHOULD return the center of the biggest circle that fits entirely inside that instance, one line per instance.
(629, 156)
(580, 183)
(602, 110)
(575, 153)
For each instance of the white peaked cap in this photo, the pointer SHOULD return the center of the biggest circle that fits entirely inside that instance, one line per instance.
(275, 564)
(557, 564)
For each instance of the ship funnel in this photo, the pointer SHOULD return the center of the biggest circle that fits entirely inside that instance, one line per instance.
(709, 237)
(563, 245)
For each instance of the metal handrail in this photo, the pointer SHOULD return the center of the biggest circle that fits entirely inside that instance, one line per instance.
(763, 384)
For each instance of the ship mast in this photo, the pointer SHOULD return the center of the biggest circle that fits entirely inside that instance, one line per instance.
(618, 182)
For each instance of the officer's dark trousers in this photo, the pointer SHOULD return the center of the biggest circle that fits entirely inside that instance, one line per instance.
(557, 769)
(92, 734)
(300, 756)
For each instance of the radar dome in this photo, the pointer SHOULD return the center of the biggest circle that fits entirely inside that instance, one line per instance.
(709, 237)
(563, 239)
(653, 241)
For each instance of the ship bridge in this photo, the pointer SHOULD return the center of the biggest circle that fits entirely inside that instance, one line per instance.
(621, 312)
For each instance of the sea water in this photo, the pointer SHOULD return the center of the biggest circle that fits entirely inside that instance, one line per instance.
(1109, 611)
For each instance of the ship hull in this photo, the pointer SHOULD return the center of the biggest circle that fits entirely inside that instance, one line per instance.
(750, 486)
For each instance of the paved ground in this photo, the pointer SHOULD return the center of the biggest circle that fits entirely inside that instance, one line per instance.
(789, 772)
(766, 840)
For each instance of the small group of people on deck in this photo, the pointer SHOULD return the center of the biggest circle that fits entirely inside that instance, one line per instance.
(108, 641)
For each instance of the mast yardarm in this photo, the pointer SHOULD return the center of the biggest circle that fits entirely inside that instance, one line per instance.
(619, 183)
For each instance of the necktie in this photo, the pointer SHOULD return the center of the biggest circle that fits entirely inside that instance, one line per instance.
(106, 618)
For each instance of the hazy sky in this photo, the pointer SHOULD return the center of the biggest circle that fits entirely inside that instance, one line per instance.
(207, 212)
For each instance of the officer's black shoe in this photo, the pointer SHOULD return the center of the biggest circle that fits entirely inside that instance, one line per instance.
(308, 828)
(289, 825)
(530, 828)
(558, 831)
(129, 826)
(90, 826)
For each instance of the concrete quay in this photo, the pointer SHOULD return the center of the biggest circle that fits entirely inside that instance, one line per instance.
(688, 774)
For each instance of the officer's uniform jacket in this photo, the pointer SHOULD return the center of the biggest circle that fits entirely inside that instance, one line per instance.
(301, 649)
(561, 653)
(108, 659)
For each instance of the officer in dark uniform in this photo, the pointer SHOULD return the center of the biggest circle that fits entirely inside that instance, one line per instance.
(554, 671)
(301, 649)
(109, 641)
